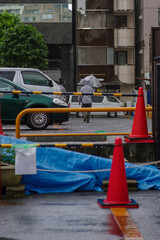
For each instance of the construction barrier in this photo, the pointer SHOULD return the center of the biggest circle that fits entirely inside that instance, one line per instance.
(67, 110)
(74, 93)
(139, 119)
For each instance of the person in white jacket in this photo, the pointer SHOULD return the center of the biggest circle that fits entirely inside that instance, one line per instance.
(86, 100)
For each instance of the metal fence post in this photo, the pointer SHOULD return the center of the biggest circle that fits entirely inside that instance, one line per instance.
(156, 106)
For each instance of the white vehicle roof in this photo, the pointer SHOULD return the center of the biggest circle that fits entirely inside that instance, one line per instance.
(15, 68)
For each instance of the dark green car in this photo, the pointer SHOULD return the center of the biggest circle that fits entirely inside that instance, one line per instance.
(13, 104)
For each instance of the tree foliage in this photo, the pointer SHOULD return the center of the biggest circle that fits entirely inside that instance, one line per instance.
(21, 45)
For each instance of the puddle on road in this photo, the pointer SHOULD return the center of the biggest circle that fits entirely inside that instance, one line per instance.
(112, 226)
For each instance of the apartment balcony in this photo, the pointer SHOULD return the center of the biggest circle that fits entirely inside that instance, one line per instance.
(124, 37)
(123, 5)
(126, 73)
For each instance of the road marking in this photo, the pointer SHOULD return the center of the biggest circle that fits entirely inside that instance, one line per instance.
(126, 224)
(58, 127)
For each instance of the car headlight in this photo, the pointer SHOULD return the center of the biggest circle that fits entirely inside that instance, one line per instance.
(63, 98)
(60, 102)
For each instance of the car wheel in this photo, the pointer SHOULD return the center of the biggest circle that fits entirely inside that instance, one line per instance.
(39, 120)
(112, 114)
(79, 114)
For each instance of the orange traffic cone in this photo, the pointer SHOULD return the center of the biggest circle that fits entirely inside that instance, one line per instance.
(139, 129)
(117, 195)
(1, 130)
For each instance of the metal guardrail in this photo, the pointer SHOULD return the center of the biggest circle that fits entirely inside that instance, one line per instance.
(68, 110)
(74, 93)
(63, 145)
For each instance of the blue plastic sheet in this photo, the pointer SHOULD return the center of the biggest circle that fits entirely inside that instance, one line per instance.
(56, 159)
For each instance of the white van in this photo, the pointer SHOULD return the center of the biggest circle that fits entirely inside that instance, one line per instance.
(33, 79)
(98, 102)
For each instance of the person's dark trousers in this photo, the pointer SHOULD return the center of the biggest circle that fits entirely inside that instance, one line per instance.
(88, 113)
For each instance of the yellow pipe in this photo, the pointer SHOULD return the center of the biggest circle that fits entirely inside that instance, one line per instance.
(75, 134)
(16, 92)
(6, 145)
(77, 93)
(58, 93)
(97, 94)
(117, 94)
(72, 134)
(37, 92)
(67, 110)
(60, 145)
(87, 144)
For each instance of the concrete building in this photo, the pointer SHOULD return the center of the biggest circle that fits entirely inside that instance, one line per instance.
(97, 37)
(106, 42)
(107, 38)
(147, 16)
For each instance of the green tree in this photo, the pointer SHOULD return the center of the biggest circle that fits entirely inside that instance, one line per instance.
(21, 45)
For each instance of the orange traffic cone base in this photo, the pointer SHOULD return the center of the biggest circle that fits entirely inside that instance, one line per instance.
(129, 139)
(131, 204)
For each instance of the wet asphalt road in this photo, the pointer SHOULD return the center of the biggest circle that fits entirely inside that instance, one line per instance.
(76, 216)
(76, 125)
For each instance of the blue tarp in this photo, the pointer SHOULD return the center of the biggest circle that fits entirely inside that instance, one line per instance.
(50, 158)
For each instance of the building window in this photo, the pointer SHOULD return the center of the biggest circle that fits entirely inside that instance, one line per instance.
(95, 56)
(95, 20)
(110, 56)
(66, 12)
(120, 21)
(14, 11)
(121, 57)
(41, 12)
(47, 16)
(54, 56)
(29, 19)
(31, 11)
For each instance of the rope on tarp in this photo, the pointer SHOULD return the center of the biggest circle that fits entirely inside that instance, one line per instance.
(99, 170)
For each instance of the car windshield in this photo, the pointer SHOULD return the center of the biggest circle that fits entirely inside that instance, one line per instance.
(33, 78)
(112, 99)
(6, 87)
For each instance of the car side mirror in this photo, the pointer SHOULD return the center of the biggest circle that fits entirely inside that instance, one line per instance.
(50, 83)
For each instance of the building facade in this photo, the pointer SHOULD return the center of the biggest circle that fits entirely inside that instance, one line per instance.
(106, 42)
(147, 16)
(107, 38)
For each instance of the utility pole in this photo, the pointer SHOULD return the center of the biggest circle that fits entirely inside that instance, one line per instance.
(74, 42)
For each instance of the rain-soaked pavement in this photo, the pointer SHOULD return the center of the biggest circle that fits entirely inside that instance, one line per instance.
(78, 216)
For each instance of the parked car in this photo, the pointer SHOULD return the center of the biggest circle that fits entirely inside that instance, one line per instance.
(33, 79)
(98, 102)
(13, 104)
